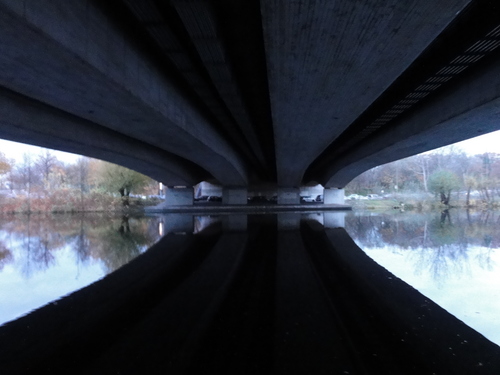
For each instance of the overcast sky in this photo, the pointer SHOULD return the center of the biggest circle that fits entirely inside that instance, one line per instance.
(479, 145)
(484, 143)
(14, 150)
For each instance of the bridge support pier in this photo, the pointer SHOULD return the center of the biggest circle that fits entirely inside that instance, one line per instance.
(333, 196)
(288, 195)
(179, 196)
(236, 196)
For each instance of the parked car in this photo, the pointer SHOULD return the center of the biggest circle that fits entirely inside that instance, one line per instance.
(214, 198)
(257, 199)
(203, 198)
(355, 197)
(307, 198)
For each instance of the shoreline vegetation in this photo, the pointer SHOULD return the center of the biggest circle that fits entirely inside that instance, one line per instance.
(436, 180)
(44, 184)
(71, 201)
(66, 201)
(408, 202)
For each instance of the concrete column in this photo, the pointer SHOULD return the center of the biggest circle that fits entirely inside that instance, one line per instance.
(288, 195)
(234, 196)
(179, 196)
(333, 196)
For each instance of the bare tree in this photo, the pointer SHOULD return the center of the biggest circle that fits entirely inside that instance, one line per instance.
(45, 163)
(82, 166)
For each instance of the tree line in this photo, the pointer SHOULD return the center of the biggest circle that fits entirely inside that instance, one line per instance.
(440, 172)
(87, 181)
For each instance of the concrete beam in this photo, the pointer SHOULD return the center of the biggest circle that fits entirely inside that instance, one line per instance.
(467, 109)
(308, 43)
(68, 55)
(196, 15)
(29, 121)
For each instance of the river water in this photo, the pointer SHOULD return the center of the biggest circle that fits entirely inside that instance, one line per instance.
(451, 257)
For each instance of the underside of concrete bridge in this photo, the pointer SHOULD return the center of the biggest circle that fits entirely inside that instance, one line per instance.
(274, 94)
(248, 93)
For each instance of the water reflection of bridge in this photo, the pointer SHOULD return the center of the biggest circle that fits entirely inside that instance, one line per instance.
(273, 297)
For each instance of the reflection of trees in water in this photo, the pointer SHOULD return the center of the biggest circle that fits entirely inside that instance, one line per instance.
(82, 244)
(113, 240)
(5, 256)
(39, 243)
(406, 230)
(442, 261)
(118, 244)
(440, 242)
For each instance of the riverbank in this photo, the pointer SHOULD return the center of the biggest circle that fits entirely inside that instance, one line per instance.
(407, 203)
(71, 201)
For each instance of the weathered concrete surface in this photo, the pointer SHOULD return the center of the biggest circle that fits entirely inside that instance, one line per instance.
(333, 196)
(469, 109)
(70, 56)
(33, 122)
(328, 61)
(281, 94)
(255, 302)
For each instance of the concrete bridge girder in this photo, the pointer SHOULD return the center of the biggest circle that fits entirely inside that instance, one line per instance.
(185, 117)
(81, 64)
(469, 109)
(28, 121)
(328, 61)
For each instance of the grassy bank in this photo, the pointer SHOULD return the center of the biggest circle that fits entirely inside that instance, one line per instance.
(408, 203)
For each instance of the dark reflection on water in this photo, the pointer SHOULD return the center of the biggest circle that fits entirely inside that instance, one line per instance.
(453, 257)
(43, 257)
(228, 294)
